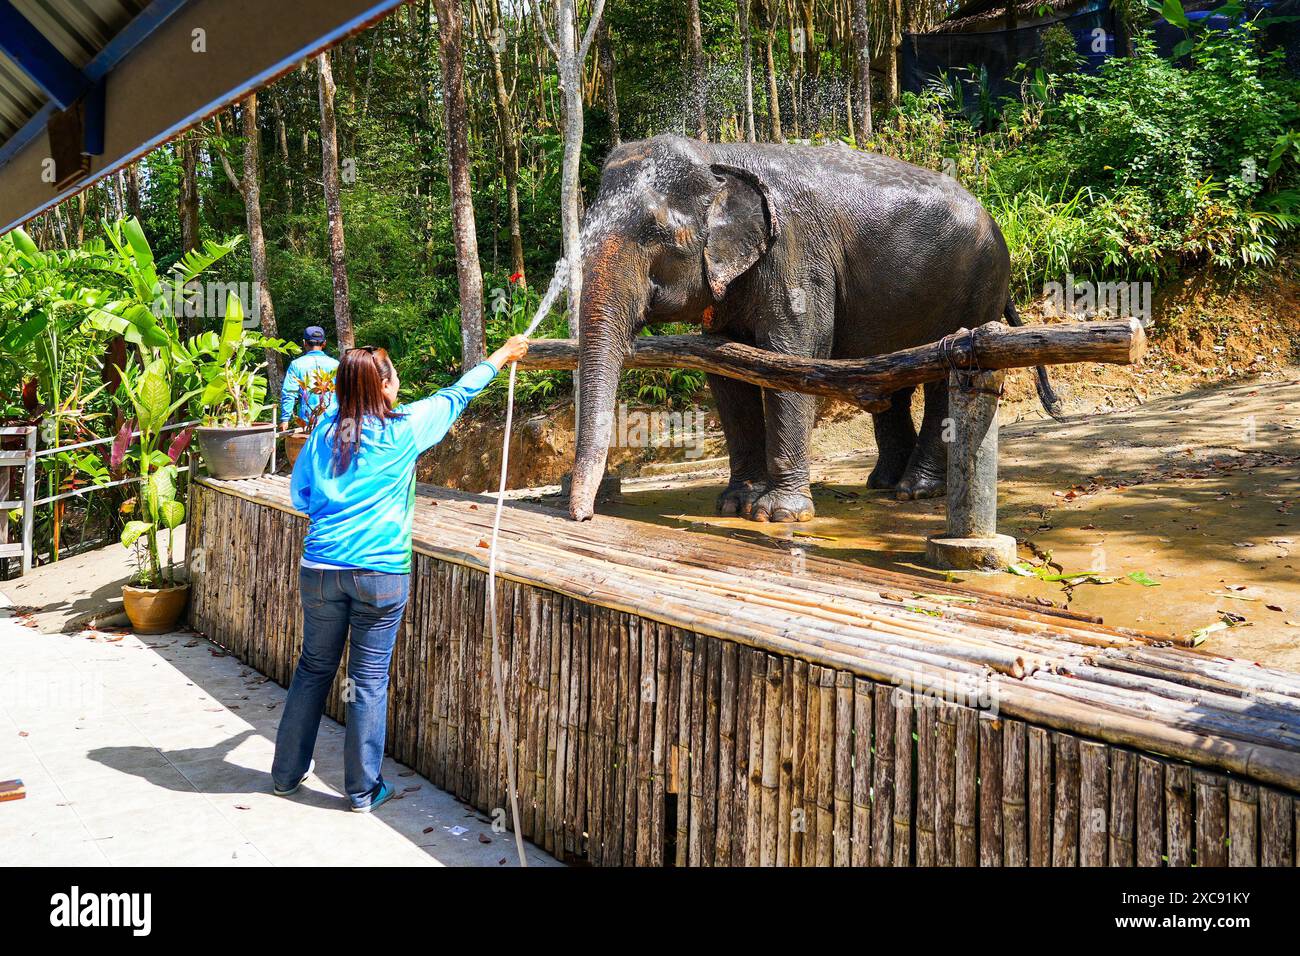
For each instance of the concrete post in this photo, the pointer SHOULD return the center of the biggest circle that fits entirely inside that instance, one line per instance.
(971, 541)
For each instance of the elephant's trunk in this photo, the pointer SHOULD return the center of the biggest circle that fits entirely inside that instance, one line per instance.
(613, 299)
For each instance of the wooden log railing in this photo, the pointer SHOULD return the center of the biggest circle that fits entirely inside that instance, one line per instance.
(869, 382)
(972, 360)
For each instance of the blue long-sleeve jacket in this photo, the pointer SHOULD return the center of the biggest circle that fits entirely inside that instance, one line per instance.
(363, 517)
(294, 398)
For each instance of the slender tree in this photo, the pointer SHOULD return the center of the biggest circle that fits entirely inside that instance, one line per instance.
(252, 191)
(893, 38)
(493, 32)
(249, 186)
(695, 54)
(862, 70)
(767, 23)
(570, 53)
(608, 83)
(748, 57)
(468, 272)
(333, 208)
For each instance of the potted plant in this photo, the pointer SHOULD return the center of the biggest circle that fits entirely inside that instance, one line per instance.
(234, 443)
(156, 598)
(320, 385)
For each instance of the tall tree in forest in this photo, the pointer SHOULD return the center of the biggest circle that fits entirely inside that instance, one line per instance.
(695, 54)
(330, 180)
(493, 32)
(187, 198)
(747, 54)
(766, 16)
(608, 84)
(893, 39)
(570, 54)
(249, 187)
(468, 271)
(133, 190)
(862, 70)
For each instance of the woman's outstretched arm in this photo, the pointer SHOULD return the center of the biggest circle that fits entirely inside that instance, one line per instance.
(432, 417)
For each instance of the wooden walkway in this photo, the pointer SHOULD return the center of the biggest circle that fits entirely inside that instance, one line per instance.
(683, 698)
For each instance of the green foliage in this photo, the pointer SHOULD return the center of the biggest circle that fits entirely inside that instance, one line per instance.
(148, 389)
(1140, 171)
(233, 388)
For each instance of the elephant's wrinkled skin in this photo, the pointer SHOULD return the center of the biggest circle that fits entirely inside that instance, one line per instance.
(812, 251)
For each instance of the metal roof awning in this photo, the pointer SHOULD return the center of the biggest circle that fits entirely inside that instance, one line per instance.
(88, 86)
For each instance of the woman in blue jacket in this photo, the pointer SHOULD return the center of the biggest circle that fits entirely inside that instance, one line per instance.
(355, 480)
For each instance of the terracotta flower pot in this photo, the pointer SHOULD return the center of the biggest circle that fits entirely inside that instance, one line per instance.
(293, 443)
(232, 452)
(154, 610)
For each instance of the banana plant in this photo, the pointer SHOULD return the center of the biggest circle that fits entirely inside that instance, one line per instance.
(233, 388)
(146, 317)
(149, 391)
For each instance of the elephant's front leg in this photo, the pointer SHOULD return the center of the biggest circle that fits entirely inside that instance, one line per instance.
(788, 496)
(740, 407)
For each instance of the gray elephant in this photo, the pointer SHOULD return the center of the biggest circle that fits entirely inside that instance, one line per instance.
(822, 252)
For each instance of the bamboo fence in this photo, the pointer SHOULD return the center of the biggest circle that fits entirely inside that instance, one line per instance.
(687, 699)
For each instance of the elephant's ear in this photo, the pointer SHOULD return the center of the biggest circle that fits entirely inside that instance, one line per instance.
(741, 225)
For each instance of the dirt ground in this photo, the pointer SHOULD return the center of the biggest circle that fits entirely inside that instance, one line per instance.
(1183, 470)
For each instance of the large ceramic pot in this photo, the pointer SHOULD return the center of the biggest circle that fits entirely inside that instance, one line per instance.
(236, 452)
(154, 610)
(293, 443)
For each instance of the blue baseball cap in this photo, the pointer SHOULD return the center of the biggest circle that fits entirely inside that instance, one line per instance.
(314, 335)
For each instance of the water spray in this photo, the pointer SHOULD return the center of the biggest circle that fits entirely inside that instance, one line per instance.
(561, 274)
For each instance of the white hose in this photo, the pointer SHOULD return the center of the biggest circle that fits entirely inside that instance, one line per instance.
(506, 731)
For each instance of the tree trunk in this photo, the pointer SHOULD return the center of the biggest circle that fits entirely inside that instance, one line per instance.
(187, 201)
(570, 54)
(468, 272)
(748, 54)
(862, 69)
(188, 196)
(133, 190)
(330, 179)
(608, 82)
(695, 53)
(491, 26)
(767, 23)
(893, 39)
(252, 190)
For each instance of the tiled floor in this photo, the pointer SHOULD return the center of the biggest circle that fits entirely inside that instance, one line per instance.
(158, 750)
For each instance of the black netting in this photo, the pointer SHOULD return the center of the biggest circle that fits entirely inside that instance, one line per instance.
(989, 59)
(994, 54)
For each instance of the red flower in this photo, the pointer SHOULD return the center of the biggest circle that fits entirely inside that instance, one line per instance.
(120, 444)
(516, 277)
(179, 444)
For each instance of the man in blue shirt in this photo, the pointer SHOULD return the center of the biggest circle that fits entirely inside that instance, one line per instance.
(296, 397)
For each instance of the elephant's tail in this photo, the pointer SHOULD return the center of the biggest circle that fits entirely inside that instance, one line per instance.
(1046, 394)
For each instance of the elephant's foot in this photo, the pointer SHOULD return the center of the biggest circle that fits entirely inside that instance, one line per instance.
(887, 473)
(739, 497)
(784, 506)
(920, 483)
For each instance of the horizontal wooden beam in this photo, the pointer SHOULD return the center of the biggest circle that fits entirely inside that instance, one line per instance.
(869, 382)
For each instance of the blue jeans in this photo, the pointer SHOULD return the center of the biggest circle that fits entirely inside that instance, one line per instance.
(369, 604)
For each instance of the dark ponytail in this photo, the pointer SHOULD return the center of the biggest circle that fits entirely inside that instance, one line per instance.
(359, 391)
